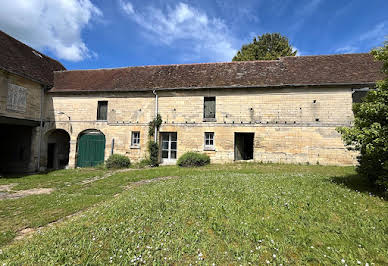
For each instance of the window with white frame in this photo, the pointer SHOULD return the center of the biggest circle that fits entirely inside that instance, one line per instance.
(135, 142)
(209, 140)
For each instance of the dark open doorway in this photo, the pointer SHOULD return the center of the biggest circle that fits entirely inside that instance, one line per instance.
(243, 146)
(15, 147)
(58, 148)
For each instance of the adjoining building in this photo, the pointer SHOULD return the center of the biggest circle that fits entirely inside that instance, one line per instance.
(25, 77)
(284, 110)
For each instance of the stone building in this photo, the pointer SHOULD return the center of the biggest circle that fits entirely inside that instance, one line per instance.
(25, 77)
(283, 110)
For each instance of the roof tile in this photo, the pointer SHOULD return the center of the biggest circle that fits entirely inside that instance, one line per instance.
(287, 71)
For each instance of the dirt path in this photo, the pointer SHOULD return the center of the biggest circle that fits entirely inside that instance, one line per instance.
(28, 232)
(6, 191)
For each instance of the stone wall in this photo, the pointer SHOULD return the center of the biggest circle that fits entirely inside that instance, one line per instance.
(295, 125)
(26, 92)
(20, 103)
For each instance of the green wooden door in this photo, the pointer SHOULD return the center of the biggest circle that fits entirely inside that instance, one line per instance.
(91, 150)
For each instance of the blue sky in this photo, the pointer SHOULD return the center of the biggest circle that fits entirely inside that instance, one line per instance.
(88, 34)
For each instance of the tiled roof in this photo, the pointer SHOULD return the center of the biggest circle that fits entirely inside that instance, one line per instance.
(20, 59)
(288, 71)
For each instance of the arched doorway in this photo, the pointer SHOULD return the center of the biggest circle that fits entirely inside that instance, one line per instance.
(58, 148)
(90, 148)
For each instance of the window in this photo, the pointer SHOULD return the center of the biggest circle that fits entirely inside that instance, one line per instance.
(209, 140)
(209, 109)
(102, 110)
(135, 142)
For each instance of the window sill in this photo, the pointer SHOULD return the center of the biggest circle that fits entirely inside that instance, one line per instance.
(209, 148)
(134, 147)
(209, 120)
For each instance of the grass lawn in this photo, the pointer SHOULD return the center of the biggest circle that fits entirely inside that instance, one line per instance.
(222, 214)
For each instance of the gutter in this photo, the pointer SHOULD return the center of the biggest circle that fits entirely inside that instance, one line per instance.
(323, 85)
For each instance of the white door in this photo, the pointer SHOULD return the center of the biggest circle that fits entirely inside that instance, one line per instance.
(169, 147)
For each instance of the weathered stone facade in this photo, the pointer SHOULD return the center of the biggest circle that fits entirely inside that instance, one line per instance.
(290, 125)
(20, 112)
(32, 97)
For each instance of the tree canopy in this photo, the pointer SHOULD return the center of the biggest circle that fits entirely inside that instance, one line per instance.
(369, 135)
(269, 46)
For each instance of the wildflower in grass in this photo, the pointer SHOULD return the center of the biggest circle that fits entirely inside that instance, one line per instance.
(274, 256)
(342, 261)
(358, 262)
(267, 261)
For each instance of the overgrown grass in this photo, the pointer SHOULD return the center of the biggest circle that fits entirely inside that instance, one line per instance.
(72, 193)
(231, 214)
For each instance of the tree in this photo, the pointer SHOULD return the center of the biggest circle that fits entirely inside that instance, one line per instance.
(369, 135)
(269, 46)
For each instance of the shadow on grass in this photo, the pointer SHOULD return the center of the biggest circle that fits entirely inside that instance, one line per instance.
(359, 183)
(20, 175)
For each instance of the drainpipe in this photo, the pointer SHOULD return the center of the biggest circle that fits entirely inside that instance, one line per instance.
(40, 126)
(156, 113)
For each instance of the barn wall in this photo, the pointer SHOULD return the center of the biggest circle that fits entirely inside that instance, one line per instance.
(295, 125)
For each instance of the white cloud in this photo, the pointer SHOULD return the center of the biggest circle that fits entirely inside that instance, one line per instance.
(367, 40)
(55, 25)
(348, 49)
(205, 37)
(298, 51)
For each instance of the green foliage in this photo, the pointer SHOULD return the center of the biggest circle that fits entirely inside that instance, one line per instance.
(269, 46)
(100, 166)
(369, 135)
(144, 163)
(193, 159)
(155, 123)
(117, 161)
(153, 149)
(382, 55)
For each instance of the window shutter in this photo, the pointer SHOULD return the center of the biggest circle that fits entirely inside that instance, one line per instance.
(210, 107)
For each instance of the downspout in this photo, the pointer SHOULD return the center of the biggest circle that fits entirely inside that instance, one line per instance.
(40, 126)
(156, 113)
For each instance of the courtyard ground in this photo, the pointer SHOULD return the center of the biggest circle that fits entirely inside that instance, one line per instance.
(222, 214)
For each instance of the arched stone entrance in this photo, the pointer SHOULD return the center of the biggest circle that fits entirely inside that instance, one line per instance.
(58, 148)
(90, 148)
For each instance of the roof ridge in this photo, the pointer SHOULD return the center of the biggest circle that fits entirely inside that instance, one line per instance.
(208, 63)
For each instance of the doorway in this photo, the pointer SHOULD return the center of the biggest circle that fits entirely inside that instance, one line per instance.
(243, 146)
(169, 147)
(58, 148)
(91, 148)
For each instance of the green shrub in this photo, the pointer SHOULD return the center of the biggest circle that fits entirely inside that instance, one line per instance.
(144, 163)
(193, 159)
(153, 149)
(369, 135)
(117, 161)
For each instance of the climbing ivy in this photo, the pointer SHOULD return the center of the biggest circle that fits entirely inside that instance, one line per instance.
(153, 146)
(155, 123)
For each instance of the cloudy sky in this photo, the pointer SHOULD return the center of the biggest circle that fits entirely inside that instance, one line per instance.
(115, 33)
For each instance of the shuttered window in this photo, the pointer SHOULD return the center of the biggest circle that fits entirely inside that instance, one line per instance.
(209, 108)
(102, 110)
